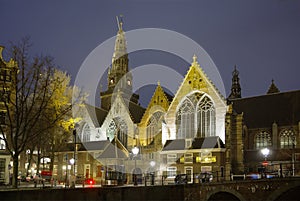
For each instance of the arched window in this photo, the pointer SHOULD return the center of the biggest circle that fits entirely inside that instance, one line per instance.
(206, 118)
(86, 134)
(154, 126)
(122, 132)
(185, 120)
(110, 132)
(262, 140)
(189, 120)
(119, 128)
(287, 139)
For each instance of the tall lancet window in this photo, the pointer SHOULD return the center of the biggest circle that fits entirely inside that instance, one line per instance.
(154, 126)
(118, 128)
(86, 134)
(206, 118)
(185, 120)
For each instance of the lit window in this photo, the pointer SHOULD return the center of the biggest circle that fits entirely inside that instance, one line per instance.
(263, 139)
(119, 128)
(171, 171)
(190, 121)
(185, 120)
(287, 139)
(154, 126)
(206, 118)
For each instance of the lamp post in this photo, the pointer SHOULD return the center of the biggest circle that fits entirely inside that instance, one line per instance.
(265, 152)
(75, 150)
(152, 164)
(135, 151)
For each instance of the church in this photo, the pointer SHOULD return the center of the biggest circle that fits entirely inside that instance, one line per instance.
(197, 131)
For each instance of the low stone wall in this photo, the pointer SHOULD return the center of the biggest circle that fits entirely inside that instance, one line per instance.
(97, 194)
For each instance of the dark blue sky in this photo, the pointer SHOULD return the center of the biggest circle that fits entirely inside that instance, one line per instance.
(261, 37)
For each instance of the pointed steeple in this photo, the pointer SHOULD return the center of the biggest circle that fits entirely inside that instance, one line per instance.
(118, 74)
(273, 88)
(120, 60)
(235, 86)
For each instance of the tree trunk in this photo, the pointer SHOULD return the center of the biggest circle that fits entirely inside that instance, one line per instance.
(15, 170)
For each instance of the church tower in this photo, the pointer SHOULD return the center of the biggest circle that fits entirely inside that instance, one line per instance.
(235, 87)
(119, 78)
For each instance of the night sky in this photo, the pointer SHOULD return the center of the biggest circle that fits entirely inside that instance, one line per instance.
(262, 38)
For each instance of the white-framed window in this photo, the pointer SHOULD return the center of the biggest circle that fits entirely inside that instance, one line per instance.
(263, 139)
(287, 139)
(171, 158)
(171, 172)
(188, 158)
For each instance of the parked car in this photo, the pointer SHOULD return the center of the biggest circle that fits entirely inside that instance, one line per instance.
(205, 177)
(181, 179)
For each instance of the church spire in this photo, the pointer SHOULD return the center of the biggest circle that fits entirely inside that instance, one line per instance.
(119, 67)
(273, 88)
(119, 79)
(235, 87)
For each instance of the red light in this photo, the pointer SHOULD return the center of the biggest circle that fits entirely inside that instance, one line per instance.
(265, 163)
(91, 182)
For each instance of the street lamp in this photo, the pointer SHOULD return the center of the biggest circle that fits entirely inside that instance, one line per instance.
(152, 164)
(135, 151)
(265, 152)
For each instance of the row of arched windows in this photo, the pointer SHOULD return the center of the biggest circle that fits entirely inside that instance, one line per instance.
(287, 139)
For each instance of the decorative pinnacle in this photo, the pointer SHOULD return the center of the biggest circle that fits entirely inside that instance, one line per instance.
(195, 59)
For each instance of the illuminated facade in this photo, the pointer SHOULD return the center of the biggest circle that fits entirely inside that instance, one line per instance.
(195, 131)
(7, 72)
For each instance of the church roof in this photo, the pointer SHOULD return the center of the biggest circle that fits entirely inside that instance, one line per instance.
(87, 146)
(198, 143)
(136, 112)
(97, 114)
(114, 150)
(263, 111)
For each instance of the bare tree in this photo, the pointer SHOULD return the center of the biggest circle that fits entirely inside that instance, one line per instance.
(29, 107)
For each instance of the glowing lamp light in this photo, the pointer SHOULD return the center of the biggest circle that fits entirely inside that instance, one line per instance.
(135, 150)
(265, 152)
(72, 161)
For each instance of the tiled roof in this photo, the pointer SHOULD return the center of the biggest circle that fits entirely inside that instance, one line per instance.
(136, 112)
(87, 146)
(114, 150)
(198, 143)
(263, 111)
